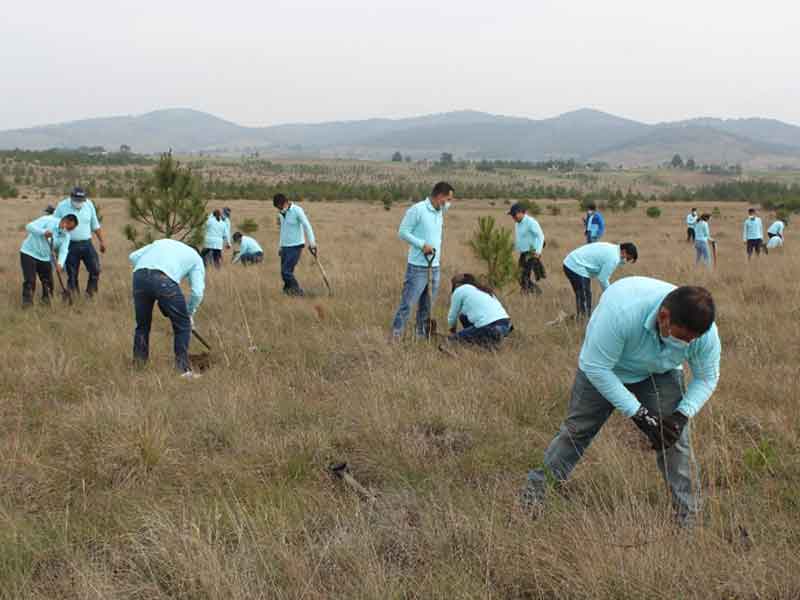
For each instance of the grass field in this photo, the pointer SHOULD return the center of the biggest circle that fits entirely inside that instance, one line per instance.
(123, 484)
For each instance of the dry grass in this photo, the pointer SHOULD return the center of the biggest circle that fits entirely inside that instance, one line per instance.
(118, 484)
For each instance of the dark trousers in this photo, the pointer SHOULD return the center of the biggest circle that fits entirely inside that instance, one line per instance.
(488, 336)
(149, 287)
(212, 256)
(530, 265)
(753, 245)
(32, 267)
(582, 286)
(251, 259)
(83, 251)
(690, 234)
(290, 256)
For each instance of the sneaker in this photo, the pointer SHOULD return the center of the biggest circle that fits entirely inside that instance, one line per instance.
(190, 375)
(531, 501)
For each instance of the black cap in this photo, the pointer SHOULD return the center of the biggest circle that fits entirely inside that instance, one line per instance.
(516, 208)
(78, 193)
(226, 211)
(49, 209)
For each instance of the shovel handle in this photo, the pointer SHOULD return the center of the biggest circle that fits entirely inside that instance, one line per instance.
(431, 257)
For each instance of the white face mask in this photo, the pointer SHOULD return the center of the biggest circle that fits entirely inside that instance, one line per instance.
(77, 205)
(674, 343)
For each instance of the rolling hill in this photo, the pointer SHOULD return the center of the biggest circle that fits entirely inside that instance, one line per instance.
(583, 134)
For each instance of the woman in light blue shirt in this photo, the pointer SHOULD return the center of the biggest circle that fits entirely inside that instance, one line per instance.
(484, 320)
(702, 239)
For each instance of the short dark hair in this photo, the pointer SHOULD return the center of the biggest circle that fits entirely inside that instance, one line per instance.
(691, 307)
(705, 217)
(630, 250)
(694, 208)
(442, 189)
(591, 206)
(217, 214)
(751, 210)
(279, 200)
(71, 218)
(237, 236)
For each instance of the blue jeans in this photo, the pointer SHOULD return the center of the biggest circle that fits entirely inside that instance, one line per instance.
(488, 336)
(582, 286)
(591, 238)
(149, 287)
(588, 411)
(251, 259)
(83, 251)
(415, 291)
(212, 256)
(701, 252)
(290, 256)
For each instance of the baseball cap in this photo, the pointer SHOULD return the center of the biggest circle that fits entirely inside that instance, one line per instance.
(78, 193)
(516, 208)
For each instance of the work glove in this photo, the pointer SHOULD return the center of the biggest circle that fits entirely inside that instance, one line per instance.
(672, 428)
(650, 426)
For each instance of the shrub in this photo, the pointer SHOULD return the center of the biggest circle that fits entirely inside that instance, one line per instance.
(716, 213)
(554, 209)
(653, 212)
(629, 204)
(495, 246)
(248, 226)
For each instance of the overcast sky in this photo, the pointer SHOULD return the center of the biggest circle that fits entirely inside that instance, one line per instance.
(261, 63)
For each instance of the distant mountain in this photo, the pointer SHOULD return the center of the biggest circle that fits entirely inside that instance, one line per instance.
(584, 134)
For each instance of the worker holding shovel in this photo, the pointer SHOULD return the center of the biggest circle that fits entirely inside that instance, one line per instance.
(421, 228)
(46, 235)
(158, 270)
(529, 242)
(295, 232)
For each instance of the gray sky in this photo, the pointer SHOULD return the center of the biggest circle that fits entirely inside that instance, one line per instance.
(260, 63)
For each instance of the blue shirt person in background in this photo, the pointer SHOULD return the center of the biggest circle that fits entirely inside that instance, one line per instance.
(638, 338)
(421, 229)
(752, 233)
(702, 240)
(80, 246)
(598, 260)
(775, 231)
(529, 242)
(691, 219)
(250, 252)
(295, 231)
(593, 223)
(484, 320)
(36, 254)
(158, 270)
(215, 239)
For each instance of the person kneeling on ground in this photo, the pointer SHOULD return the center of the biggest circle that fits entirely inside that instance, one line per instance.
(45, 235)
(600, 260)
(775, 235)
(638, 338)
(158, 270)
(250, 252)
(484, 320)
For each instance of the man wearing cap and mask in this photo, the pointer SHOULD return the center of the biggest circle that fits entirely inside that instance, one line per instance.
(80, 246)
(529, 242)
(638, 338)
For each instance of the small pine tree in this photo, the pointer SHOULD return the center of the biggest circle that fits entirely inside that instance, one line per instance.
(653, 212)
(248, 226)
(495, 246)
(169, 203)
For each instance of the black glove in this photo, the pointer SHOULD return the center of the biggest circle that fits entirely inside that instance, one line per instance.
(650, 426)
(672, 427)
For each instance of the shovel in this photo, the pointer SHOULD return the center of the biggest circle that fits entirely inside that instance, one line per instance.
(342, 471)
(430, 323)
(66, 296)
(321, 270)
(714, 251)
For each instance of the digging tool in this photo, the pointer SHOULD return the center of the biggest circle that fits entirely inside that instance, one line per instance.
(321, 270)
(430, 325)
(200, 338)
(65, 293)
(342, 471)
(714, 251)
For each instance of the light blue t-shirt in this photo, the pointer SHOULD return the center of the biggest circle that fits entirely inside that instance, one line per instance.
(691, 219)
(177, 261)
(249, 246)
(216, 233)
(422, 224)
(87, 218)
(528, 235)
(776, 228)
(479, 307)
(599, 260)
(295, 228)
(702, 232)
(37, 246)
(752, 230)
(623, 345)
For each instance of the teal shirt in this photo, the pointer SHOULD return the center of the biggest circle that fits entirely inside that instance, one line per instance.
(702, 233)
(479, 307)
(216, 233)
(178, 262)
(37, 246)
(529, 235)
(295, 228)
(87, 219)
(622, 345)
(752, 230)
(249, 246)
(599, 260)
(776, 228)
(422, 224)
(691, 220)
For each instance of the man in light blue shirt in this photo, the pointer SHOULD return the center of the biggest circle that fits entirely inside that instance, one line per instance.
(484, 320)
(691, 219)
(421, 229)
(529, 242)
(158, 270)
(250, 252)
(80, 246)
(45, 235)
(638, 338)
(593, 223)
(295, 232)
(598, 260)
(752, 233)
